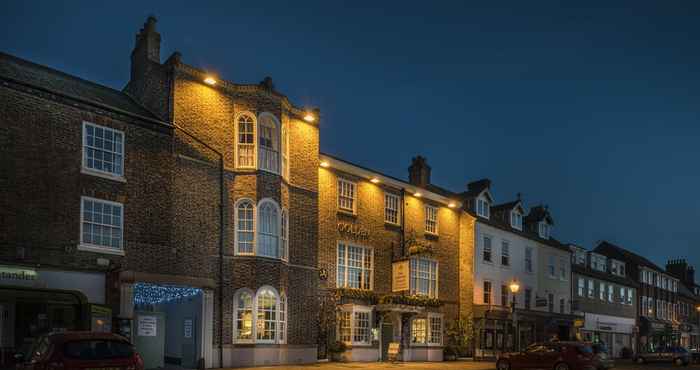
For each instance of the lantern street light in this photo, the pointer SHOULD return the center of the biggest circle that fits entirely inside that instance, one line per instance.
(514, 288)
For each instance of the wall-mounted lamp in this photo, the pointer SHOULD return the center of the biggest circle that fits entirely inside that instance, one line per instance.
(308, 117)
(209, 80)
(325, 164)
(374, 180)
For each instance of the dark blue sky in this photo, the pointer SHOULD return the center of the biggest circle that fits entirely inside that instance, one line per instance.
(592, 108)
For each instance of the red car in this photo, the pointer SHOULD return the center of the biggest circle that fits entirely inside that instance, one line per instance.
(80, 350)
(552, 356)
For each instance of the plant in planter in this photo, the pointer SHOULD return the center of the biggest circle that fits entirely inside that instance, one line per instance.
(336, 350)
(449, 353)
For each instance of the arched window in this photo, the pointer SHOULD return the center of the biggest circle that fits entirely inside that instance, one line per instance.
(284, 236)
(283, 318)
(268, 143)
(245, 227)
(267, 316)
(285, 152)
(268, 229)
(245, 145)
(261, 317)
(244, 316)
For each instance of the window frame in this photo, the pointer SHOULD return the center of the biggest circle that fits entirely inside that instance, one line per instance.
(433, 264)
(353, 186)
(280, 336)
(484, 211)
(429, 210)
(428, 332)
(97, 172)
(484, 292)
(352, 309)
(505, 253)
(265, 119)
(529, 268)
(397, 200)
(236, 220)
(84, 246)
(254, 133)
(363, 270)
(484, 249)
(544, 230)
(277, 223)
(516, 220)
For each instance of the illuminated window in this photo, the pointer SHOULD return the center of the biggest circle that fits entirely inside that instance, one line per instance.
(418, 331)
(431, 219)
(101, 225)
(268, 151)
(424, 277)
(346, 195)
(268, 229)
(581, 286)
(103, 150)
(244, 317)
(355, 325)
(260, 318)
(354, 266)
(435, 333)
(591, 289)
(391, 208)
(246, 141)
(245, 227)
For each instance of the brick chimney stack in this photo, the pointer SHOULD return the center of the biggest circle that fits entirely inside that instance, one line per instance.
(146, 49)
(419, 172)
(680, 269)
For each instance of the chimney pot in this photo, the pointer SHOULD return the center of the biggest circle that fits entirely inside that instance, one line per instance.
(419, 172)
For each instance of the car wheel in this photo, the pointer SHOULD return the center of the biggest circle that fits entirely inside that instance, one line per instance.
(503, 365)
(561, 366)
(640, 360)
(678, 361)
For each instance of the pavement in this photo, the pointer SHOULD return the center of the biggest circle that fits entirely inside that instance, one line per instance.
(450, 365)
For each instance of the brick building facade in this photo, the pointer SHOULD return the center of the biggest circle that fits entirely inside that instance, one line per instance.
(372, 226)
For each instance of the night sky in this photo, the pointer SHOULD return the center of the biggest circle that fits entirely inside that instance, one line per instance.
(592, 109)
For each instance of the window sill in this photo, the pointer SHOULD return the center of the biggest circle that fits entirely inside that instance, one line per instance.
(100, 249)
(391, 224)
(428, 234)
(505, 267)
(347, 213)
(259, 256)
(104, 175)
(426, 345)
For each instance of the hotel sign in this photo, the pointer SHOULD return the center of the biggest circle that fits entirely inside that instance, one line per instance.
(15, 275)
(399, 276)
(356, 231)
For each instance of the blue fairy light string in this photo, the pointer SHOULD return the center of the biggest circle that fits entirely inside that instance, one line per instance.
(151, 294)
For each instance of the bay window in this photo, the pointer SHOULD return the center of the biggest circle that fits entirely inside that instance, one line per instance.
(268, 151)
(424, 277)
(259, 318)
(355, 325)
(245, 145)
(427, 330)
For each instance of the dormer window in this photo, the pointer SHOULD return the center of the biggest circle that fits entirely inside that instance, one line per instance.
(545, 230)
(516, 220)
(483, 208)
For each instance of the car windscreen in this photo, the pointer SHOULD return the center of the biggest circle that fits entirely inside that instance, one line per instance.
(99, 349)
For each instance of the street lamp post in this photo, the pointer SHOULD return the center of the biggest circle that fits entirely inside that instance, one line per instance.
(514, 288)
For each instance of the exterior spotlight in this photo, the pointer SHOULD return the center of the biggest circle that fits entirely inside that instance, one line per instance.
(374, 180)
(308, 117)
(209, 80)
(514, 286)
(417, 194)
(452, 205)
(325, 164)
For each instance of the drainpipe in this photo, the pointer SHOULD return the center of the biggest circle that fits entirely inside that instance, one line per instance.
(403, 223)
(222, 198)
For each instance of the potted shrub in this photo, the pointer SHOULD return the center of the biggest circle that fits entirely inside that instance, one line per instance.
(449, 353)
(336, 350)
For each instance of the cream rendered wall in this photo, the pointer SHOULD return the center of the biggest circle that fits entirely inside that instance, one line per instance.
(561, 288)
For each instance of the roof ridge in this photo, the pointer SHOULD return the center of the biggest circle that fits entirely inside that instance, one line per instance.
(53, 70)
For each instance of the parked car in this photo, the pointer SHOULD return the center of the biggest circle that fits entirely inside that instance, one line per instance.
(80, 350)
(554, 355)
(676, 355)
